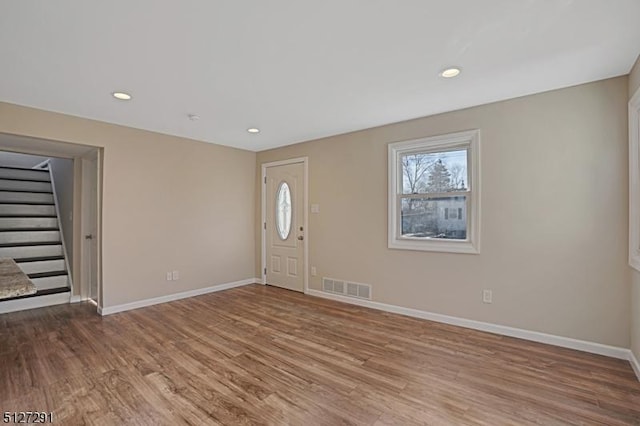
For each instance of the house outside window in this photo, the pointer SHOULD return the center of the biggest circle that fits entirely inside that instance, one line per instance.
(434, 193)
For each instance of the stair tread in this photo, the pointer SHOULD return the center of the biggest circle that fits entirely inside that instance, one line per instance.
(24, 168)
(47, 274)
(26, 203)
(37, 259)
(26, 192)
(40, 293)
(33, 229)
(23, 179)
(22, 216)
(32, 243)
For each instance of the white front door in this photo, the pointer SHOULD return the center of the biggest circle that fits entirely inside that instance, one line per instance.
(284, 226)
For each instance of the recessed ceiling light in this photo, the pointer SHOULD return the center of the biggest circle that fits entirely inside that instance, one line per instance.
(450, 72)
(121, 95)
(253, 130)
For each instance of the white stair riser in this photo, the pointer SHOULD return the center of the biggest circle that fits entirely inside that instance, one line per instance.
(28, 223)
(24, 185)
(26, 210)
(42, 176)
(29, 236)
(50, 282)
(42, 266)
(25, 197)
(31, 251)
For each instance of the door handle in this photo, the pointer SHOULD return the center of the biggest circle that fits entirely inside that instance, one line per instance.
(88, 237)
(301, 238)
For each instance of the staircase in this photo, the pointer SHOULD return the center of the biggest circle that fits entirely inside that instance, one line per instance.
(30, 234)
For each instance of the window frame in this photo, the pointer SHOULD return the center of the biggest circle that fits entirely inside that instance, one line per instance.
(634, 181)
(469, 140)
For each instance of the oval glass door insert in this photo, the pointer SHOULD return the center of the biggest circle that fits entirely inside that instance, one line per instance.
(283, 210)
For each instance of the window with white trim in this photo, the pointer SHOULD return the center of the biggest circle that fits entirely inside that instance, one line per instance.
(434, 193)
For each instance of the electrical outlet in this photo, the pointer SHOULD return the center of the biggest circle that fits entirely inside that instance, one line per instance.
(313, 271)
(176, 275)
(169, 276)
(487, 296)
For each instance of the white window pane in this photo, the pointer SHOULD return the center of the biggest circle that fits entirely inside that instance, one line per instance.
(283, 211)
(443, 217)
(434, 172)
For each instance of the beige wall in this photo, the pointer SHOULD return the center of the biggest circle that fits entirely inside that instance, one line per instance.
(634, 85)
(554, 215)
(168, 204)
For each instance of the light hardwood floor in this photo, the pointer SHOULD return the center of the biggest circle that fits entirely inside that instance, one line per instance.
(261, 355)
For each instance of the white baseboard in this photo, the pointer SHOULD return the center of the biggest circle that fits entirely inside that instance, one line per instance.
(634, 364)
(550, 339)
(108, 310)
(76, 299)
(33, 302)
(259, 281)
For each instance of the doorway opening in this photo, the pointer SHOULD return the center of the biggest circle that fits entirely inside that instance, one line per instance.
(50, 204)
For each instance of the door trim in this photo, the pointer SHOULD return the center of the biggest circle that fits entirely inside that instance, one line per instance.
(265, 166)
(80, 200)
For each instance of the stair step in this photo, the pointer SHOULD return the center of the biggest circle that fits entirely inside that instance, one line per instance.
(47, 274)
(25, 185)
(31, 243)
(43, 292)
(22, 223)
(18, 173)
(42, 266)
(10, 197)
(55, 281)
(30, 237)
(31, 250)
(27, 210)
(37, 258)
(55, 228)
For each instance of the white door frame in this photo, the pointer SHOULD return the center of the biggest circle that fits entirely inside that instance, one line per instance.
(265, 166)
(82, 213)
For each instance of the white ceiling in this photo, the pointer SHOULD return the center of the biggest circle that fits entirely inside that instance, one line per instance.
(300, 69)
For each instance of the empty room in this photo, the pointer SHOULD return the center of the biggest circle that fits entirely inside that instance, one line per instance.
(320, 213)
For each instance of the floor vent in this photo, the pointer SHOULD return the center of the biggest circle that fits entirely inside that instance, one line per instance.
(346, 288)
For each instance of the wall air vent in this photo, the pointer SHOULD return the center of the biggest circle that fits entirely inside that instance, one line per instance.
(346, 288)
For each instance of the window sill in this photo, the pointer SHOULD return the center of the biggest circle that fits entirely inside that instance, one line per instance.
(465, 247)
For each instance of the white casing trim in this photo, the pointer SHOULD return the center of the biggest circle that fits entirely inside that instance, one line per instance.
(535, 336)
(469, 139)
(33, 302)
(635, 364)
(108, 310)
(634, 181)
